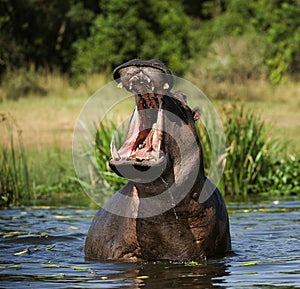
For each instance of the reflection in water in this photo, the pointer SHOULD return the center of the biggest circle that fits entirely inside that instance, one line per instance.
(171, 275)
(180, 276)
(43, 248)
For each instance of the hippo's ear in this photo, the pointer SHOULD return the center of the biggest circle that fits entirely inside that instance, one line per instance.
(196, 113)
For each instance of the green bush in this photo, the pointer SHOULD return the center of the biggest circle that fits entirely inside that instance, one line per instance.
(281, 177)
(279, 23)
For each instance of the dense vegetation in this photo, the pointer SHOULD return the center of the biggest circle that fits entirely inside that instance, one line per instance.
(85, 36)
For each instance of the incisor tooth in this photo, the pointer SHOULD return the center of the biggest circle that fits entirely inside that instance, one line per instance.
(113, 150)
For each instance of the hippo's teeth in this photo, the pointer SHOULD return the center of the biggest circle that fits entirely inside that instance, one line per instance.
(159, 145)
(130, 85)
(158, 129)
(114, 152)
(152, 88)
(120, 85)
(160, 117)
(133, 78)
(166, 86)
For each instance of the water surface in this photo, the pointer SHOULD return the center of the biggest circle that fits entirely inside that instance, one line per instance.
(42, 247)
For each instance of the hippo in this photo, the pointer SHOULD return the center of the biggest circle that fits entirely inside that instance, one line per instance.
(163, 161)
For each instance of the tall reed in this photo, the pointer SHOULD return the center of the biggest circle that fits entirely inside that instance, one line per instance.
(14, 173)
(249, 152)
(108, 130)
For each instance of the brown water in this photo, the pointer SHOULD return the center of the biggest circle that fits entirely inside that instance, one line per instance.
(43, 248)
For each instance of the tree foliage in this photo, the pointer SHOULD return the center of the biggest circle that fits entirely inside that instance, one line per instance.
(40, 32)
(276, 22)
(82, 36)
(135, 29)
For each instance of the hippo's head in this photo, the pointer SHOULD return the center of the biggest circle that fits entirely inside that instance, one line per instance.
(161, 129)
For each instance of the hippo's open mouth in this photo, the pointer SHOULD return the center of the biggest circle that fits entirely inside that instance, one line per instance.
(146, 131)
(142, 148)
(150, 82)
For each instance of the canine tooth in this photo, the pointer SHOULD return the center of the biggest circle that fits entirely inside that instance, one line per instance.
(130, 85)
(114, 152)
(120, 85)
(158, 129)
(159, 123)
(166, 86)
(152, 88)
(159, 145)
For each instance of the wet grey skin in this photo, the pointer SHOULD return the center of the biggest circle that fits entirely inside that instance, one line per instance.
(152, 160)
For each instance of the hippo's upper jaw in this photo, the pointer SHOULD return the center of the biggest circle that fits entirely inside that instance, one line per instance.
(143, 149)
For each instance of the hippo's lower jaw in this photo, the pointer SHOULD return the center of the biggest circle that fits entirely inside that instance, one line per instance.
(143, 171)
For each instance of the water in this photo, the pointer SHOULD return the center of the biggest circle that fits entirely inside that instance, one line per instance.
(43, 248)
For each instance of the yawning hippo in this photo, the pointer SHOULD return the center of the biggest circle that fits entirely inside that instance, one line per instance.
(162, 158)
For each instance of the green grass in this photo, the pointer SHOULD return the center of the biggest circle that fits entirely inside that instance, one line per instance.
(14, 172)
(32, 175)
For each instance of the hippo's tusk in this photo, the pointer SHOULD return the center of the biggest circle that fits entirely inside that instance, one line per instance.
(120, 85)
(114, 152)
(133, 78)
(166, 86)
(160, 117)
(158, 129)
